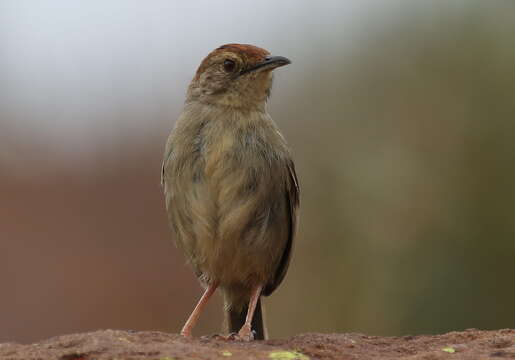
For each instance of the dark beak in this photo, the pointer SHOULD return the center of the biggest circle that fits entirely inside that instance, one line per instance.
(270, 62)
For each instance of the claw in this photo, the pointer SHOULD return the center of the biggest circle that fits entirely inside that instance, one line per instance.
(245, 334)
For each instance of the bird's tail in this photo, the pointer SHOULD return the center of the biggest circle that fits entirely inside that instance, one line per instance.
(236, 319)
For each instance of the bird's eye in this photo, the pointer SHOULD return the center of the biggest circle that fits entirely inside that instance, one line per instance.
(229, 65)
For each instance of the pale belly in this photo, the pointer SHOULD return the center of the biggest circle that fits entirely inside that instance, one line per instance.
(241, 242)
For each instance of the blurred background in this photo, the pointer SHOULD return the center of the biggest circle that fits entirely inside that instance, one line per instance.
(401, 116)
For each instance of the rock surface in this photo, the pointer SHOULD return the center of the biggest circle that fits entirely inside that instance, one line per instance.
(128, 345)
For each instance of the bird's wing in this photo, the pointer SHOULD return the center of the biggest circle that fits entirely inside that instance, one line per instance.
(168, 152)
(292, 195)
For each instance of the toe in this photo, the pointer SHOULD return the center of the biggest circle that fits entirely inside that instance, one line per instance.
(245, 334)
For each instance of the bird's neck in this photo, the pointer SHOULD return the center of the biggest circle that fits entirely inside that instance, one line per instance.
(237, 99)
(225, 108)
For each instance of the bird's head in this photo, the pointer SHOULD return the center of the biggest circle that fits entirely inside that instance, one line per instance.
(235, 75)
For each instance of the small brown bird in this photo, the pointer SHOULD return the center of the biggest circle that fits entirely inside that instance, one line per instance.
(230, 185)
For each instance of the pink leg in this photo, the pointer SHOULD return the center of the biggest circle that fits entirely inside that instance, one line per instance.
(192, 320)
(245, 332)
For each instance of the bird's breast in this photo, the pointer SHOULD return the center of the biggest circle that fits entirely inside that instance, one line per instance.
(228, 199)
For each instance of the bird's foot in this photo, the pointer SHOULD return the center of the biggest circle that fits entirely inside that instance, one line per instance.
(186, 334)
(245, 334)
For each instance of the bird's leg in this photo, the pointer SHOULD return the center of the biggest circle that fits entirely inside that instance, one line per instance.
(192, 320)
(245, 332)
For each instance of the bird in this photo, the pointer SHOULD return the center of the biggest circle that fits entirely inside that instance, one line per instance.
(230, 186)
